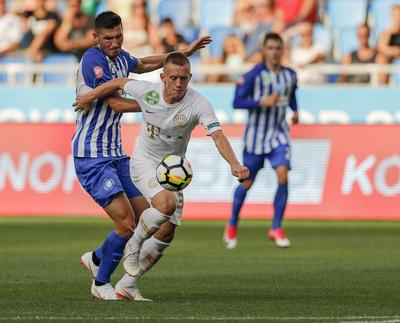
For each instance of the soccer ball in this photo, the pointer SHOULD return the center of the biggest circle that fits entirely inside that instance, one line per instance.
(174, 173)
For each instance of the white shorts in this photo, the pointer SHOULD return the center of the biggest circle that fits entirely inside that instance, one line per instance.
(143, 174)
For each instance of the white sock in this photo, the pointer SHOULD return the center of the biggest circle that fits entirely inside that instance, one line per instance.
(150, 221)
(150, 254)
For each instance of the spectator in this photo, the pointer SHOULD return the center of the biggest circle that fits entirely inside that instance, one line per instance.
(140, 34)
(296, 11)
(233, 56)
(11, 31)
(75, 35)
(307, 52)
(170, 39)
(389, 43)
(266, 20)
(41, 25)
(364, 54)
(244, 18)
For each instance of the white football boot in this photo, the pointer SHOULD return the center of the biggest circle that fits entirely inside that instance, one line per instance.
(87, 262)
(131, 260)
(129, 292)
(105, 292)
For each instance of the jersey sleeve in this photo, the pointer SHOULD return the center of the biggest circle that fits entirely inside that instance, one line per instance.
(244, 92)
(207, 117)
(135, 88)
(95, 70)
(293, 99)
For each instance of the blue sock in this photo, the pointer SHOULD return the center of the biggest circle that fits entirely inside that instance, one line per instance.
(99, 251)
(113, 250)
(280, 202)
(238, 200)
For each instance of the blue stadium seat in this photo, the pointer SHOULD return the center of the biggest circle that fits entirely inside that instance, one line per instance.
(23, 77)
(346, 13)
(58, 59)
(180, 11)
(381, 14)
(189, 33)
(216, 13)
(218, 35)
(348, 41)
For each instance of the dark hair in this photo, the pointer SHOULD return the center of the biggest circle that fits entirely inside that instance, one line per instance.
(167, 21)
(107, 20)
(176, 58)
(273, 36)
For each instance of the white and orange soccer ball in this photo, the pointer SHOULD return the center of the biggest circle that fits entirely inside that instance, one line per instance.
(174, 173)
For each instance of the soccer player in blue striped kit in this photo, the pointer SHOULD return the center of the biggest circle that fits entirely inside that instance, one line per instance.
(101, 165)
(266, 91)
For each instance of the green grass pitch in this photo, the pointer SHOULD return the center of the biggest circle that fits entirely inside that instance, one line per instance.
(335, 271)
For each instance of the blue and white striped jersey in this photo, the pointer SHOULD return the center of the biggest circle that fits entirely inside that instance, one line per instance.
(99, 133)
(266, 128)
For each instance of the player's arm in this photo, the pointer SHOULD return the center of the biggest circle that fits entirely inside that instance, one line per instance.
(293, 103)
(244, 95)
(104, 90)
(121, 104)
(226, 151)
(151, 63)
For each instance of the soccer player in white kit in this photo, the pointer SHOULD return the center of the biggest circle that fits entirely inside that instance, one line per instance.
(171, 110)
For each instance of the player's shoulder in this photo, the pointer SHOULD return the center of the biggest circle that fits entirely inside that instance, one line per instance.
(123, 53)
(94, 54)
(289, 69)
(256, 69)
(195, 98)
(144, 87)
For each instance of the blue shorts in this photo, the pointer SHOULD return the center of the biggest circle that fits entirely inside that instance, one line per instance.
(277, 157)
(102, 178)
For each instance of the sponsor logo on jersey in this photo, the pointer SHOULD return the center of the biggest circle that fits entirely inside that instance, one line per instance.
(180, 120)
(98, 71)
(152, 182)
(213, 125)
(108, 184)
(152, 97)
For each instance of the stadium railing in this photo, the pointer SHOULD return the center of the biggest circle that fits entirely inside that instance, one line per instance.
(36, 72)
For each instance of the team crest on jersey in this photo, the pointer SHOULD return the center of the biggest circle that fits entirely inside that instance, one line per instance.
(152, 182)
(266, 78)
(152, 97)
(98, 71)
(180, 120)
(108, 184)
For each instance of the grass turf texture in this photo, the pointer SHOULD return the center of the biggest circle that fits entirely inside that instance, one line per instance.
(334, 271)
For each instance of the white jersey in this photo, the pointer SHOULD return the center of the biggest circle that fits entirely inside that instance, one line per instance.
(166, 128)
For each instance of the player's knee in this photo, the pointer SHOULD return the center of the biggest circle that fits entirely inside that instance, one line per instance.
(124, 227)
(167, 206)
(247, 183)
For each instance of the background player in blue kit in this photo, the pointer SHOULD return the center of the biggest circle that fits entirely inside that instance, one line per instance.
(101, 165)
(266, 91)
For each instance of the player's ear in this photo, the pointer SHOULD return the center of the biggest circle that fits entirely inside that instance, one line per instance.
(162, 77)
(95, 37)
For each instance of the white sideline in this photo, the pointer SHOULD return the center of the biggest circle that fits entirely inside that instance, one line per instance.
(341, 319)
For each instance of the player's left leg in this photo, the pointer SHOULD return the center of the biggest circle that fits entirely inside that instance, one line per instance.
(254, 163)
(151, 252)
(280, 161)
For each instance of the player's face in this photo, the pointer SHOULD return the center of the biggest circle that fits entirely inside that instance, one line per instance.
(176, 79)
(273, 51)
(110, 40)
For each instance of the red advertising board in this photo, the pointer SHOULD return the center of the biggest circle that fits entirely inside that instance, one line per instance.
(359, 180)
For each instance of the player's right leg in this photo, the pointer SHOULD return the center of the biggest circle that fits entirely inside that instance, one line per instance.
(254, 163)
(99, 177)
(163, 206)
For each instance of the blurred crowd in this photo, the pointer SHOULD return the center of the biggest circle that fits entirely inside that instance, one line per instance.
(37, 29)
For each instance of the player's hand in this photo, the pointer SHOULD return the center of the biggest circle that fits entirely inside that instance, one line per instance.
(270, 101)
(241, 172)
(82, 103)
(295, 117)
(197, 44)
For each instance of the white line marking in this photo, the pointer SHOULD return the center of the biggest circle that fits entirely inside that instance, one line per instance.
(343, 319)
